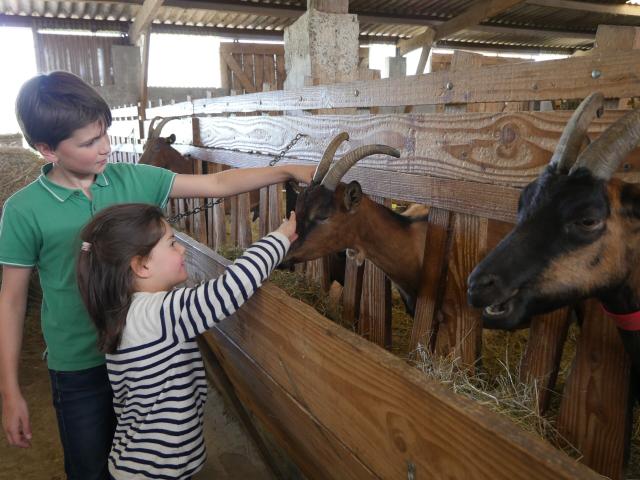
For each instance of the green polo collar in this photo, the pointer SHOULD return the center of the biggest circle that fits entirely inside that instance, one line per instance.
(61, 193)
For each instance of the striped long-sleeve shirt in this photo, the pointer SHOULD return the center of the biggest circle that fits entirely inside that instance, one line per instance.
(157, 373)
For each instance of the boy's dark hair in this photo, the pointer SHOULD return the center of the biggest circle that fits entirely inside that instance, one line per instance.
(116, 235)
(51, 106)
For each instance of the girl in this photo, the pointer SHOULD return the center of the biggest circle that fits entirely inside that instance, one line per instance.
(128, 267)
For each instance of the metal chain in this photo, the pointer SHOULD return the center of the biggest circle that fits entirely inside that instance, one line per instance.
(211, 203)
(284, 151)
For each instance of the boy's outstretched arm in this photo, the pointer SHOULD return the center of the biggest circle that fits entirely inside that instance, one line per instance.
(13, 305)
(238, 180)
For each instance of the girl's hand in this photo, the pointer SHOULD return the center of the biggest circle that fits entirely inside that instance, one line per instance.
(15, 421)
(288, 228)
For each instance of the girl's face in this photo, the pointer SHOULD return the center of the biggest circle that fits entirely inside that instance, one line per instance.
(166, 261)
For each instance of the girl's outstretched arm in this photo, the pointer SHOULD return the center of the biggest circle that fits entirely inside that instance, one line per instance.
(192, 311)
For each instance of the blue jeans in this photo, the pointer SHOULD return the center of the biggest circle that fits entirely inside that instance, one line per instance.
(86, 421)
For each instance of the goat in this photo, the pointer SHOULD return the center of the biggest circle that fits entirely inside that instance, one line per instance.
(332, 216)
(158, 151)
(576, 236)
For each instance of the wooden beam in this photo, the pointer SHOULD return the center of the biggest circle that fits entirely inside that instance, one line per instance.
(382, 415)
(627, 10)
(329, 6)
(143, 19)
(470, 17)
(550, 80)
(144, 76)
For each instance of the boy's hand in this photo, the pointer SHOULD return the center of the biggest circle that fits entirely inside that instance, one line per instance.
(15, 421)
(288, 228)
(301, 173)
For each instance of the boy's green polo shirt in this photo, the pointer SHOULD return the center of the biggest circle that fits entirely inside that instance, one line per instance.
(40, 228)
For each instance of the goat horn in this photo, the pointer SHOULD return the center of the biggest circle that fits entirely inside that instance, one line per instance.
(327, 157)
(151, 133)
(333, 177)
(574, 133)
(604, 155)
(155, 132)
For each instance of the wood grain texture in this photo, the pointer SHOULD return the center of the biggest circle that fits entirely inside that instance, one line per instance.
(352, 292)
(385, 412)
(459, 334)
(506, 149)
(593, 412)
(550, 80)
(425, 324)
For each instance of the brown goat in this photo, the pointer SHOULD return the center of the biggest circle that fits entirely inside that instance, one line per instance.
(159, 152)
(577, 235)
(333, 216)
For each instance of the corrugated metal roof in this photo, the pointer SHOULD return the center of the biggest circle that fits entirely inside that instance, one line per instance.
(532, 24)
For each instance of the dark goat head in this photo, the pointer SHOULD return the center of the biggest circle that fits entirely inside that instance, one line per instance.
(576, 234)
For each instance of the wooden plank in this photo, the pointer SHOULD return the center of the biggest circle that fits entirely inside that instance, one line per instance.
(264, 212)
(541, 360)
(144, 75)
(275, 206)
(233, 215)
(217, 376)
(247, 68)
(460, 332)
(200, 218)
(425, 325)
(593, 412)
(259, 71)
(504, 149)
(549, 80)
(477, 12)
(143, 19)
(281, 74)
(378, 407)
(352, 292)
(318, 271)
(252, 48)
(490, 201)
(238, 72)
(225, 81)
(313, 449)
(244, 220)
(374, 321)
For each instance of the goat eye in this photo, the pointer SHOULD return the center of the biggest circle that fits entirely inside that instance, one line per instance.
(589, 224)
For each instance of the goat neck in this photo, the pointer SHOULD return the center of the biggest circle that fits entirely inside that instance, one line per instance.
(392, 242)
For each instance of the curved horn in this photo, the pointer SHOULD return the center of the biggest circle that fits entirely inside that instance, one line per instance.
(327, 157)
(574, 133)
(155, 132)
(151, 133)
(604, 155)
(333, 177)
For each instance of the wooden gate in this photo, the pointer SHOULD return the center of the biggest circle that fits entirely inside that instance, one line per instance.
(251, 67)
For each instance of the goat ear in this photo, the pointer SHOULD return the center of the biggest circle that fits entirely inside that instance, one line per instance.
(171, 139)
(630, 200)
(352, 195)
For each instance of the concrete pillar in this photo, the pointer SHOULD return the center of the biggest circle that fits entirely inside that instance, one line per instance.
(321, 48)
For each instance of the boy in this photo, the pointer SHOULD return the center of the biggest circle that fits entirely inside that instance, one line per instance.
(66, 121)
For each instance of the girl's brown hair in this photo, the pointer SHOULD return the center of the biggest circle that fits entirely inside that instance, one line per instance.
(115, 236)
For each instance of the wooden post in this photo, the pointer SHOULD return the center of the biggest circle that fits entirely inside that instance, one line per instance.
(594, 408)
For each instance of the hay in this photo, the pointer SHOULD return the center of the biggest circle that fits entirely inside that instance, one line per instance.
(19, 167)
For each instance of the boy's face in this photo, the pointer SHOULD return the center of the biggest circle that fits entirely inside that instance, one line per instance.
(84, 153)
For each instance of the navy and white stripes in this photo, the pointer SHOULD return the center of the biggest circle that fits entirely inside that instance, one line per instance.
(157, 374)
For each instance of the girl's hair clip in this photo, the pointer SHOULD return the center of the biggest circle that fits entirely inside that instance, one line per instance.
(85, 247)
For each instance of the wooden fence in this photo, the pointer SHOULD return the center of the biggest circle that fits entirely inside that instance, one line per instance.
(343, 408)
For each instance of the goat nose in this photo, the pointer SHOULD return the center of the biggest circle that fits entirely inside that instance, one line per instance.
(483, 288)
